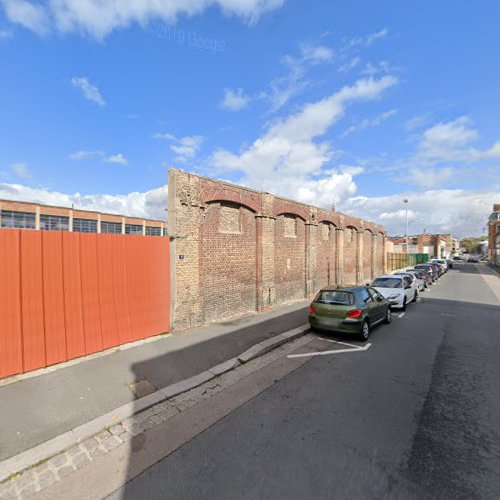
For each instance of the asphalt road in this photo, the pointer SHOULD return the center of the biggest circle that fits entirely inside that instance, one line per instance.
(417, 415)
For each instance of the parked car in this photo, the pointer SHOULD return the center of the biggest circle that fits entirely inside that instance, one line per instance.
(438, 268)
(399, 290)
(474, 260)
(429, 269)
(354, 310)
(416, 280)
(458, 258)
(442, 262)
(423, 275)
(450, 263)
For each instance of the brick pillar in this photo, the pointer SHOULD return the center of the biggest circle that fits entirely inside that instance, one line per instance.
(99, 217)
(185, 215)
(384, 250)
(339, 256)
(373, 267)
(266, 288)
(311, 254)
(359, 256)
(37, 217)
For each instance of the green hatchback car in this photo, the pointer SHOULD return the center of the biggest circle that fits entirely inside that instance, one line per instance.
(352, 310)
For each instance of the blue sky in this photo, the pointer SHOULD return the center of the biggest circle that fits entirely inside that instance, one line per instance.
(358, 103)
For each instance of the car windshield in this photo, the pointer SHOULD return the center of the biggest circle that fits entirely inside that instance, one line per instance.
(335, 297)
(388, 283)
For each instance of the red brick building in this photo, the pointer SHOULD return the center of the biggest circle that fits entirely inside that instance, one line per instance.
(494, 235)
(435, 245)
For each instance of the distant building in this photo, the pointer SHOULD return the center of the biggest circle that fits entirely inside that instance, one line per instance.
(24, 215)
(435, 245)
(494, 236)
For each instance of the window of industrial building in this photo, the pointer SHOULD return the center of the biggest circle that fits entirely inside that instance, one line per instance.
(133, 229)
(111, 227)
(54, 223)
(20, 220)
(290, 222)
(165, 231)
(153, 231)
(84, 226)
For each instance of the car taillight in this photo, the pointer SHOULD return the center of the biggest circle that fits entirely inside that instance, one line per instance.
(354, 313)
(312, 310)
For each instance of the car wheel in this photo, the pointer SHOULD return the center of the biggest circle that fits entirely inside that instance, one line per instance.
(404, 304)
(415, 295)
(365, 331)
(388, 316)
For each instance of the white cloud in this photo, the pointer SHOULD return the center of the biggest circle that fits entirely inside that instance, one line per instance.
(288, 159)
(89, 91)
(371, 122)
(185, 148)
(82, 155)
(235, 100)
(461, 212)
(293, 82)
(452, 141)
(30, 15)
(85, 155)
(370, 39)
(428, 177)
(21, 170)
(118, 158)
(351, 64)
(150, 204)
(100, 18)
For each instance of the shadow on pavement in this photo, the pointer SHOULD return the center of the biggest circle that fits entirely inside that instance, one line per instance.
(454, 340)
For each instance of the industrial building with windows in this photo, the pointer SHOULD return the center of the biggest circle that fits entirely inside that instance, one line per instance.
(24, 215)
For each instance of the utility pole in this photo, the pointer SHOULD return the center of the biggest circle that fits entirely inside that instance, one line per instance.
(406, 234)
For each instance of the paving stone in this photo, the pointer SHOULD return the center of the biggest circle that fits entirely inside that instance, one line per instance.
(102, 435)
(111, 443)
(97, 452)
(58, 460)
(46, 479)
(7, 491)
(117, 430)
(65, 471)
(80, 460)
(126, 436)
(42, 467)
(74, 451)
(90, 444)
(26, 480)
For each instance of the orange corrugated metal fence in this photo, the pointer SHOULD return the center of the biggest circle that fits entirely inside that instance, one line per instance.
(65, 295)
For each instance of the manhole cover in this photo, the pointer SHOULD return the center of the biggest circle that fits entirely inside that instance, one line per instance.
(142, 388)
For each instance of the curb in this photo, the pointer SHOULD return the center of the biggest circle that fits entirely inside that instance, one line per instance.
(44, 451)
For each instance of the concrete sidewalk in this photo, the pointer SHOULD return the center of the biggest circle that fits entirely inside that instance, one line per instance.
(37, 409)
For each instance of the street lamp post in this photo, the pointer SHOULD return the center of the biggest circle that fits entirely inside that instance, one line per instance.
(406, 234)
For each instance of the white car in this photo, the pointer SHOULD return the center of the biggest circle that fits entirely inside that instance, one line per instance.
(442, 263)
(398, 290)
(420, 282)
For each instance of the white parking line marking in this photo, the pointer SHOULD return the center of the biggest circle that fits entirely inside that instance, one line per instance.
(338, 342)
(400, 315)
(325, 353)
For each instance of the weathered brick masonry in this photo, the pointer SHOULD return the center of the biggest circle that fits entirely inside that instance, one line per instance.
(235, 250)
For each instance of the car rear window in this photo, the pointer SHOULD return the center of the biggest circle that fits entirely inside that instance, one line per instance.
(388, 283)
(335, 297)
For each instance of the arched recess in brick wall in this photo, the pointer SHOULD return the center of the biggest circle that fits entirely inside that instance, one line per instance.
(228, 260)
(367, 255)
(289, 257)
(379, 255)
(350, 252)
(325, 254)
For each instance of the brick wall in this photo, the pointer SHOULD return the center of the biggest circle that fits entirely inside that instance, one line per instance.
(235, 250)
